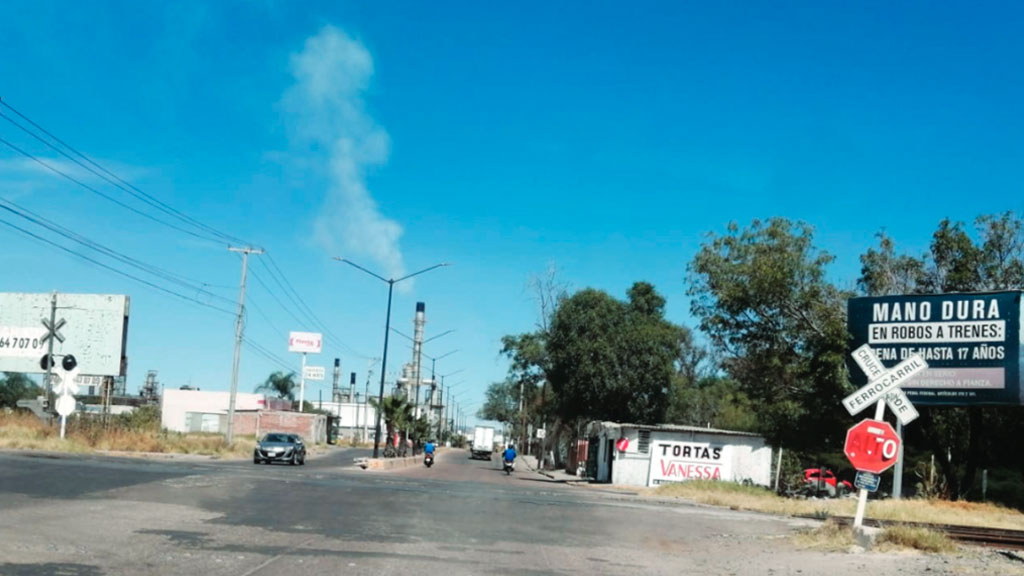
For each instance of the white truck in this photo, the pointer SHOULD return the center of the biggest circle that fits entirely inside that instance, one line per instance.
(483, 443)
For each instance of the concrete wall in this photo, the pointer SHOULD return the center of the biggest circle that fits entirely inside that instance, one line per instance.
(749, 459)
(311, 427)
(175, 404)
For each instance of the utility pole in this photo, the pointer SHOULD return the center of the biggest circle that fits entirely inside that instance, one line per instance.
(51, 398)
(522, 421)
(366, 396)
(239, 330)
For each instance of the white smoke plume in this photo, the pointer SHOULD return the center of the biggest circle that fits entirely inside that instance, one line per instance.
(326, 117)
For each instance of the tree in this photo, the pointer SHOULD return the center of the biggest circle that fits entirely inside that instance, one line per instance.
(610, 359)
(15, 386)
(396, 412)
(762, 298)
(501, 403)
(281, 383)
(884, 273)
(713, 401)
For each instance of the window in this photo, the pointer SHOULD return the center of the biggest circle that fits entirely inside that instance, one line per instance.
(643, 445)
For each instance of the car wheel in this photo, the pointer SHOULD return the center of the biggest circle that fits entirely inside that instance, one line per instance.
(302, 461)
(255, 460)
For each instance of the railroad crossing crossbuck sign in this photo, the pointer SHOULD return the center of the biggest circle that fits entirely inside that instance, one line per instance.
(884, 383)
(53, 331)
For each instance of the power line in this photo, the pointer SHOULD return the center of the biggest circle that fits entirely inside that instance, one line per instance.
(281, 279)
(112, 269)
(69, 234)
(273, 295)
(109, 176)
(259, 310)
(103, 194)
(259, 349)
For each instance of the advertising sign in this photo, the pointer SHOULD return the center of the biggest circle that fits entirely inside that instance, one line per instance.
(682, 461)
(305, 342)
(315, 373)
(970, 341)
(93, 327)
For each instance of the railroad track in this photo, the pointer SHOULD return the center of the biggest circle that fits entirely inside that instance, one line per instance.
(992, 537)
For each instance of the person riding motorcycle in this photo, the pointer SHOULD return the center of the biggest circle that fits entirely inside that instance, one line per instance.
(510, 454)
(429, 447)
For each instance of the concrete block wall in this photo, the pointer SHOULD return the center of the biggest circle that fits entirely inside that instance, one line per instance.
(311, 427)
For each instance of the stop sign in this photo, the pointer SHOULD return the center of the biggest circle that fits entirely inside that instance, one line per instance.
(872, 446)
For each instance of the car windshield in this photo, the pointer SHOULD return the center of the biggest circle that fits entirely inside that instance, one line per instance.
(277, 438)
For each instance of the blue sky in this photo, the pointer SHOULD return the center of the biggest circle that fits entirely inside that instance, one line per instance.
(604, 138)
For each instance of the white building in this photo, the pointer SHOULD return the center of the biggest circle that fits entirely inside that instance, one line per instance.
(650, 455)
(356, 417)
(207, 411)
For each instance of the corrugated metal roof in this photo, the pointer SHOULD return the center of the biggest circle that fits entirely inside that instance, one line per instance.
(677, 428)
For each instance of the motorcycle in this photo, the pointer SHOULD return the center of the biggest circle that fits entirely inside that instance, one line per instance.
(510, 467)
(428, 460)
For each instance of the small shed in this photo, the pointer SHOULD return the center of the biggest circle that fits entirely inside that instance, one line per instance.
(654, 454)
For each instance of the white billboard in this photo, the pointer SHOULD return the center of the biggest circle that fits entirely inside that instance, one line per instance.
(92, 327)
(315, 373)
(682, 461)
(305, 342)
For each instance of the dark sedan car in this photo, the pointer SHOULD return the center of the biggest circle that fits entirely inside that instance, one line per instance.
(278, 447)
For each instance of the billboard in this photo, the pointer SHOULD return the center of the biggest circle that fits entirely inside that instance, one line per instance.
(971, 342)
(305, 342)
(682, 461)
(92, 327)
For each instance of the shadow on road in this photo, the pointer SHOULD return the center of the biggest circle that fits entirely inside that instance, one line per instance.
(50, 569)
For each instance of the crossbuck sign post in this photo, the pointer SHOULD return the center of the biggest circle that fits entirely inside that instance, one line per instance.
(883, 388)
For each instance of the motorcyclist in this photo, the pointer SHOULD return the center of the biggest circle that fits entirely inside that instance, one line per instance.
(429, 448)
(510, 454)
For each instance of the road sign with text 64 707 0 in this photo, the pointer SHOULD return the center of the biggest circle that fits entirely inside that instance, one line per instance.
(872, 446)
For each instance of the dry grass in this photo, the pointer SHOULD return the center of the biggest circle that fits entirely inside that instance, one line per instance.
(911, 510)
(829, 537)
(26, 432)
(917, 538)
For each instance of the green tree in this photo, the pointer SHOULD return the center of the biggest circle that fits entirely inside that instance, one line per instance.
(885, 273)
(761, 296)
(501, 403)
(15, 386)
(610, 359)
(281, 383)
(397, 414)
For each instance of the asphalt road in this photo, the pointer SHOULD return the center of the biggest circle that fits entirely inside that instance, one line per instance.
(92, 516)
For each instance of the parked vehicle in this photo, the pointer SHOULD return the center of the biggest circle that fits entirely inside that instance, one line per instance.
(280, 447)
(825, 484)
(483, 443)
(428, 460)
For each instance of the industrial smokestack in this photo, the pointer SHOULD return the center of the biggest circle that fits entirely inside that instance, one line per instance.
(336, 387)
(417, 353)
(351, 386)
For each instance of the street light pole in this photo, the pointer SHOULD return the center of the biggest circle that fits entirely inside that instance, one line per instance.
(387, 331)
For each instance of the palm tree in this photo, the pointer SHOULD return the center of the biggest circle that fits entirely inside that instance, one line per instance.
(397, 414)
(280, 383)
